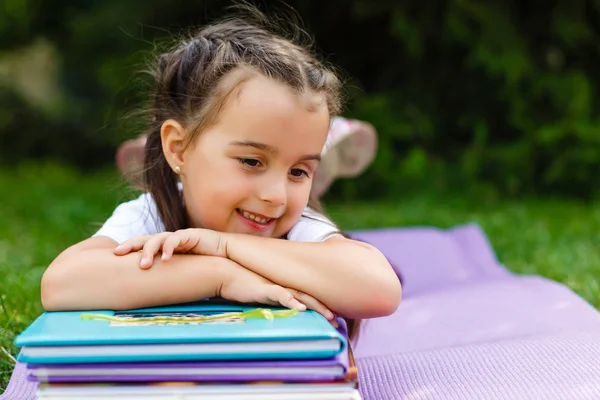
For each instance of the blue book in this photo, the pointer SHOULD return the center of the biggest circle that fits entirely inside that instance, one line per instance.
(196, 331)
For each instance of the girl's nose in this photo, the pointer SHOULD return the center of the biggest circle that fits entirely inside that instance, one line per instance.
(273, 190)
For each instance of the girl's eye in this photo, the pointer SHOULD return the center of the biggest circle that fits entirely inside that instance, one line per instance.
(249, 162)
(298, 173)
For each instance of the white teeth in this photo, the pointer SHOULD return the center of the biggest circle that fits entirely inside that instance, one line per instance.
(253, 217)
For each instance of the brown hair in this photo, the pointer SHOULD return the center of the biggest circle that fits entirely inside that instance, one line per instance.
(193, 80)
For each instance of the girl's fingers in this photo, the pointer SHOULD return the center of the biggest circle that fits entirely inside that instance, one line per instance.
(180, 241)
(293, 303)
(131, 245)
(315, 305)
(284, 297)
(150, 249)
(169, 246)
(122, 249)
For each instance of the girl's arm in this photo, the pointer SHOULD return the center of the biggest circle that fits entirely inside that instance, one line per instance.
(351, 278)
(89, 276)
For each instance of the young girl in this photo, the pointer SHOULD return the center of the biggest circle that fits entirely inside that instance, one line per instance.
(238, 120)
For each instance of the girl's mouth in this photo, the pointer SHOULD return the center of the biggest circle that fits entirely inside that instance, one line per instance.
(254, 218)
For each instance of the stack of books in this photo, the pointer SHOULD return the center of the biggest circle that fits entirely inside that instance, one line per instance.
(205, 350)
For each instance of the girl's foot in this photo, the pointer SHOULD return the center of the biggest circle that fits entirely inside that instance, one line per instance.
(350, 148)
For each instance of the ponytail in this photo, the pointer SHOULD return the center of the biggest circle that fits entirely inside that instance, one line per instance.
(162, 183)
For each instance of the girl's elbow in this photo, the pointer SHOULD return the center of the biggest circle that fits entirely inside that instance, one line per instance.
(382, 298)
(388, 289)
(386, 299)
(393, 297)
(57, 286)
(387, 292)
(50, 291)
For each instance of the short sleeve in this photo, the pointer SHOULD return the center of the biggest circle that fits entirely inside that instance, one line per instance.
(137, 217)
(313, 227)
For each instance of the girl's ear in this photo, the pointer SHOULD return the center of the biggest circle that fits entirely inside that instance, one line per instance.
(172, 136)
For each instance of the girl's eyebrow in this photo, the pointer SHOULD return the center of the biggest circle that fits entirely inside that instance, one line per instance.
(270, 149)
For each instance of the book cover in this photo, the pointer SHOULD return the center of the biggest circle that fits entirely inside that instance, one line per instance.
(199, 371)
(175, 390)
(198, 331)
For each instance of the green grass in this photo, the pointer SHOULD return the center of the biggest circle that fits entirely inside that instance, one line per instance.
(46, 208)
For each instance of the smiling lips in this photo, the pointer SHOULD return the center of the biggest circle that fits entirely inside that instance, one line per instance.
(260, 219)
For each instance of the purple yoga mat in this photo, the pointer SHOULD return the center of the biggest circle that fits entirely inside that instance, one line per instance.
(428, 259)
(466, 329)
(478, 312)
(563, 366)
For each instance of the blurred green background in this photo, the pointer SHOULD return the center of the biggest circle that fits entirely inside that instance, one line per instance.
(498, 95)
(487, 112)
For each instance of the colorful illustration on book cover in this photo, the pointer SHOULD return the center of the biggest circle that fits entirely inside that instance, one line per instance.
(175, 318)
(187, 318)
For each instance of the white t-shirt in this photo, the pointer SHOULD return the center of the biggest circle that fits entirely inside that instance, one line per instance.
(139, 217)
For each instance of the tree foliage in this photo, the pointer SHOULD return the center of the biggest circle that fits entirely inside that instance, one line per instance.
(500, 93)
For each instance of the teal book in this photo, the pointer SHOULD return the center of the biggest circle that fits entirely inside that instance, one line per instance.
(197, 331)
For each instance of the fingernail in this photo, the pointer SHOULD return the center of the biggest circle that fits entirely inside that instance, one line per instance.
(144, 261)
(329, 315)
(164, 256)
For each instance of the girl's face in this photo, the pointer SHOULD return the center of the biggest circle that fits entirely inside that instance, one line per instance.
(252, 171)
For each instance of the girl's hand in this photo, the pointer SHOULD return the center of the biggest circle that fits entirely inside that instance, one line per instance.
(196, 241)
(240, 284)
(244, 286)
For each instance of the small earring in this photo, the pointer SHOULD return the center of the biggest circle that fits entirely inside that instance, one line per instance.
(177, 169)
